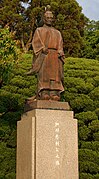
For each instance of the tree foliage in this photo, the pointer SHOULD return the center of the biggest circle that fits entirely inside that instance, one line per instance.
(91, 40)
(81, 81)
(68, 19)
(8, 54)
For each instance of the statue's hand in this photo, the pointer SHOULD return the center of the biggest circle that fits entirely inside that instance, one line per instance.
(61, 56)
(30, 72)
(45, 50)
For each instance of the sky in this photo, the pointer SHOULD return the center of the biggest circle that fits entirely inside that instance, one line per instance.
(90, 8)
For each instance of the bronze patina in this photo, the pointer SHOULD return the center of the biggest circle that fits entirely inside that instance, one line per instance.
(49, 59)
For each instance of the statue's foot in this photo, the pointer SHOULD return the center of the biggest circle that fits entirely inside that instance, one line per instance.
(55, 98)
(45, 97)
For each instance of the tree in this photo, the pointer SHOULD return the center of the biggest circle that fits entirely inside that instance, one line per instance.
(13, 14)
(91, 40)
(69, 20)
(8, 54)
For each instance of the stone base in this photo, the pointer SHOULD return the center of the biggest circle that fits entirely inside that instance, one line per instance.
(45, 104)
(47, 145)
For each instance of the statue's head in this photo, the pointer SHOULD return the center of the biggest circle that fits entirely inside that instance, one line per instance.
(48, 17)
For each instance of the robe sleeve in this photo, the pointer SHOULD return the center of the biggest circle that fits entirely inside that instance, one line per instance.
(60, 48)
(37, 42)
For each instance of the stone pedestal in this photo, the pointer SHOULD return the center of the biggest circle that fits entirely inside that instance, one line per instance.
(47, 142)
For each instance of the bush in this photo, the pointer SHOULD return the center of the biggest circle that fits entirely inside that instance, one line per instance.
(81, 87)
(8, 54)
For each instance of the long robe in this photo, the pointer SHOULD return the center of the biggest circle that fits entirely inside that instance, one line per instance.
(52, 66)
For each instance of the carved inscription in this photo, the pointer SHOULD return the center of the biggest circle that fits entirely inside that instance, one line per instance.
(57, 143)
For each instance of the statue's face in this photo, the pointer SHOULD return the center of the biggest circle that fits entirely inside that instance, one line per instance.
(48, 18)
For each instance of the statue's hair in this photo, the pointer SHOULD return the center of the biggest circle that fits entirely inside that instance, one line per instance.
(48, 10)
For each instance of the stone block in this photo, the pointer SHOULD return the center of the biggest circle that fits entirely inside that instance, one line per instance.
(47, 145)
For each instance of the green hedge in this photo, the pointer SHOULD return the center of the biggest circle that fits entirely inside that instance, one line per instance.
(81, 83)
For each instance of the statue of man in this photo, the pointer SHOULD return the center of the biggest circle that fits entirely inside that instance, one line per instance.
(49, 59)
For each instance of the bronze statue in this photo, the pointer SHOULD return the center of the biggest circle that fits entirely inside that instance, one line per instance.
(49, 59)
